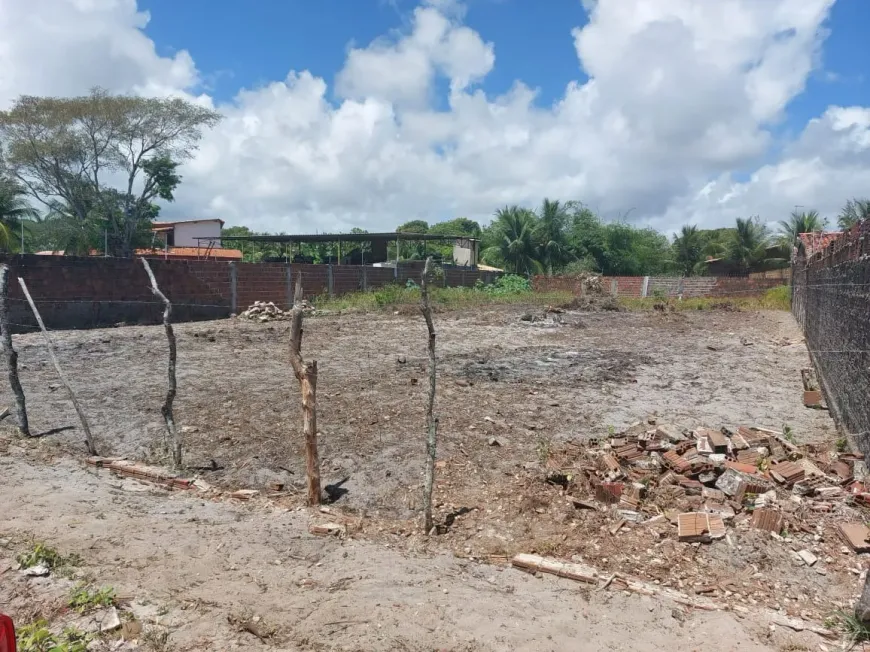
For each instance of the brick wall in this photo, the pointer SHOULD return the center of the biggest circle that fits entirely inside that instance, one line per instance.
(261, 282)
(695, 286)
(626, 286)
(73, 292)
(86, 292)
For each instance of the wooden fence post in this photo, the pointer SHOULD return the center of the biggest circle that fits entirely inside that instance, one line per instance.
(234, 288)
(431, 420)
(89, 440)
(10, 353)
(306, 374)
(166, 408)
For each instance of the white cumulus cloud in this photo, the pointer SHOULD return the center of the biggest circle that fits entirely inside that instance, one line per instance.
(678, 97)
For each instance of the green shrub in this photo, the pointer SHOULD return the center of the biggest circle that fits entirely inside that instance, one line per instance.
(41, 554)
(83, 599)
(509, 284)
(393, 294)
(778, 298)
(36, 637)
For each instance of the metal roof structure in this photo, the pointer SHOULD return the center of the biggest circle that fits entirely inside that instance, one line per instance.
(344, 237)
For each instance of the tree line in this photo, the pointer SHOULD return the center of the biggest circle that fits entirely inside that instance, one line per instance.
(568, 238)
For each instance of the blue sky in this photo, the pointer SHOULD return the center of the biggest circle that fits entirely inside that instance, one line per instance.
(245, 44)
(241, 44)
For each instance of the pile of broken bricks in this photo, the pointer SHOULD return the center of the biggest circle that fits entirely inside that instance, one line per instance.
(735, 488)
(712, 479)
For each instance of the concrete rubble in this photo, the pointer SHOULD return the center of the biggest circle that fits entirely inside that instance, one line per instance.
(266, 311)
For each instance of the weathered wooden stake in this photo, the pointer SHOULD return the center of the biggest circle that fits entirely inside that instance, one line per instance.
(862, 607)
(89, 440)
(10, 353)
(431, 420)
(306, 374)
(175, 442)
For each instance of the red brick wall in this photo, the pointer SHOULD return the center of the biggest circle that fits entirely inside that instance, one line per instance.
(85, 292)
(315, 279)
(558, 284)
(75, 292)
(261, 282)
(726, 286)
(695, 286)
(626, 286)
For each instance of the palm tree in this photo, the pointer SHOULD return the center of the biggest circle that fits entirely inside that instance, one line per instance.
(688, 249)
(511, 240)
(748, 246)
(62, 230)
(853, 212)
(797, 223)
(553, 248)
(14, 210)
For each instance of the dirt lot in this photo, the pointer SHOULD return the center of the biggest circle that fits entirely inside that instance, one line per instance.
(512, 393)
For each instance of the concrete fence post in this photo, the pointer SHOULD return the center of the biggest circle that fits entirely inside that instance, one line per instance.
(288, 286)
(680, 287)
(644, 289)
(365, 278)
(234, 289)
(613, 286)
(330, 281)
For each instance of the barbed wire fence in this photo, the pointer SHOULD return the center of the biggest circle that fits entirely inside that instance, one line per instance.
(828, 304)
(274, 416)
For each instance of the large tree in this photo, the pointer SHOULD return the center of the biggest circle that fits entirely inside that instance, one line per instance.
(586, 237)
(14, 211)
(510, 241)
(457, 226)
(853, 212)
(106, 158)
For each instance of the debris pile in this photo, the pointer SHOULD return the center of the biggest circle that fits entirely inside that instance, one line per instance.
(593, 297)
(550, 316)
(591, 284)
(263, 311)
(705, 480)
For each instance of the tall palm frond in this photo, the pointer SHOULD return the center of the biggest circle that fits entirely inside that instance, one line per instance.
(688, 249)
(797, 223)
(748, 246)
(853, 212)
(553, 249)
(15, 210)
(511, 241)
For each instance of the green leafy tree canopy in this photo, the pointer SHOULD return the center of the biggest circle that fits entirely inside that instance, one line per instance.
(71, 151)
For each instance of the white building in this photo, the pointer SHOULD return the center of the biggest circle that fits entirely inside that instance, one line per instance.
(184, 233)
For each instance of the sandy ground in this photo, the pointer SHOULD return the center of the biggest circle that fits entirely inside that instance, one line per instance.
(531, 385)
(537, 382)
(191, 564)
